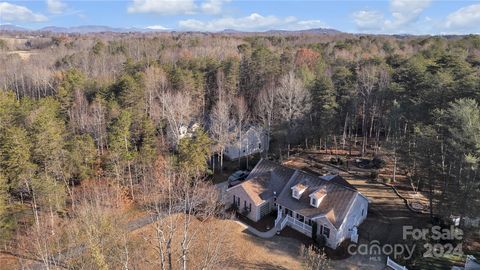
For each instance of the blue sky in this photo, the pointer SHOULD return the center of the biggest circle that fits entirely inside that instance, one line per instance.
(390, 17)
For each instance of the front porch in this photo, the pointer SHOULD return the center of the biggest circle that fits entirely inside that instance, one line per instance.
(294, 220)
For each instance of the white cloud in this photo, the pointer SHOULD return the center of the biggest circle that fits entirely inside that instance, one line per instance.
(253, 22)
(310, 24)
(56, 6)
(465, 18)
(177, 7)
(157, 27)
(163, 7)
(368, 20)
(403, 14)
(10, 13)
(213, 6)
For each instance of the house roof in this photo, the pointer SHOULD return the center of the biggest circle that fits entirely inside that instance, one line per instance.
(265, 180)
(269, 178)
(338, 180)
(334, 206)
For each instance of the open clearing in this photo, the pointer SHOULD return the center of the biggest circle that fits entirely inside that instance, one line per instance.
(245, 251)
(24, 55)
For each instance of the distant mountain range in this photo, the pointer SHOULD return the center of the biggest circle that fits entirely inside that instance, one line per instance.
(12, 28)
(314, 31)
(91, 29)
(84, 29)
(307, 31)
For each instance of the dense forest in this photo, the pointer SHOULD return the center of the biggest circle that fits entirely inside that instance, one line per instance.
(89, 123)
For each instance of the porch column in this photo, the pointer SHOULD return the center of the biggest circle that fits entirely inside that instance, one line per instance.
(279, 215)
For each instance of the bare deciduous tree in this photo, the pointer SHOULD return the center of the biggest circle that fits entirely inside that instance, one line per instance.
(156, 84)
(178, 111)
(182, 207)
(366, 83)
(314, 258)
(293, 101)
(241, 110)
(265, 109)
(220, 125)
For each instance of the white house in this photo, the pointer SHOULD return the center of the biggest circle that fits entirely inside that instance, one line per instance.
(327, 206)
(254, 140)
(187, 131)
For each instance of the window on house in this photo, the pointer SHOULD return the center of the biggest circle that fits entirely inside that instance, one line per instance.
(250, 207)
(234, 198)
(363, 210)
(326, 232)
(245, 204)
(314, 202)
(259, 145)
(238, 202)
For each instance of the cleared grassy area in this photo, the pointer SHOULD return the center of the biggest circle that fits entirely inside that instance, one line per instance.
(240, 249)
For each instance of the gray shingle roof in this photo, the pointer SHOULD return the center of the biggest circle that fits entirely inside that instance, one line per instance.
(334, 205)
(268, 177)
(274, 177)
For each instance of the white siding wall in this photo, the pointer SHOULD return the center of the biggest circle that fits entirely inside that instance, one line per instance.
(332, 239)
(353, 218)
(238, 192)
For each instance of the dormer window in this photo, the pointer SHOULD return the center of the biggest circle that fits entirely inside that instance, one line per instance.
(317, 197)
(298, 190)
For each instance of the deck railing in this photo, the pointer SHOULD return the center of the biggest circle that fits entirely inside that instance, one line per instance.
(279, 217)
(298, 225)
(394, 265)
(284, 223)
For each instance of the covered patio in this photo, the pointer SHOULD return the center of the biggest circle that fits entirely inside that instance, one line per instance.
(294, 220)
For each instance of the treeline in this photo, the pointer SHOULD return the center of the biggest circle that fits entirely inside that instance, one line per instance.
(105, 107)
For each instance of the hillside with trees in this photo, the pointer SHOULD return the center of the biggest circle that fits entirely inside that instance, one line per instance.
(91, 127)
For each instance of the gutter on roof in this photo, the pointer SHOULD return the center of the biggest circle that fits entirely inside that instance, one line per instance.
(230, 188)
